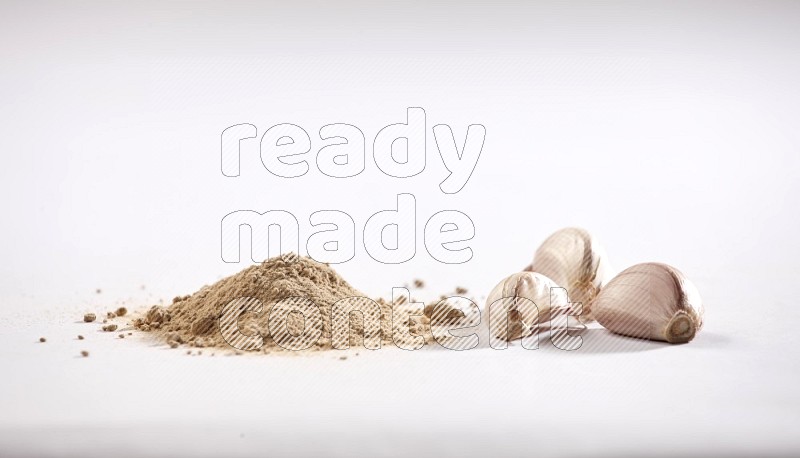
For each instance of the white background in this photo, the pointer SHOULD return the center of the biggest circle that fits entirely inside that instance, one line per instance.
(667, 129)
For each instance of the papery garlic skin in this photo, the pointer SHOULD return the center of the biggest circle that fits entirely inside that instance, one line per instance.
(651, 301)
(523, 318)
(574, 259)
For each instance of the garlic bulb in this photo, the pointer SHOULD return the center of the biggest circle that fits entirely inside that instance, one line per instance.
(574, 259)
(523, 298)
(651, 301)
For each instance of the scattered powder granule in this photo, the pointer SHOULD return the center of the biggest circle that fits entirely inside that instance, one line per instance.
(89, 317)
(449, 312)
(42, 340)
(122, 336)
(461, 290)
(80, 337)
(110, 328)
(84, 353)
(175, 337)
(111, 315)
(122, 311)
(419, 283)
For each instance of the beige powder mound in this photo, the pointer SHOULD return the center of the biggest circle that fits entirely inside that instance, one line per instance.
(195, 319)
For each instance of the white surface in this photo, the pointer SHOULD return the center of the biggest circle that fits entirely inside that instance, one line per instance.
(731, 391)
(669, 130)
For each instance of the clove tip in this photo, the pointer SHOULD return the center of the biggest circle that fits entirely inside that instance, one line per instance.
(681, 328)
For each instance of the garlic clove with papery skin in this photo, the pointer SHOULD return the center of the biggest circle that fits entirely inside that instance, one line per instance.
(525, 300)
(574, 259)
(651, 301)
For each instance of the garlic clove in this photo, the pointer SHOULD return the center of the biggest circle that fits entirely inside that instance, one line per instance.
(524, 299)
(574, 259)
(651, 301)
